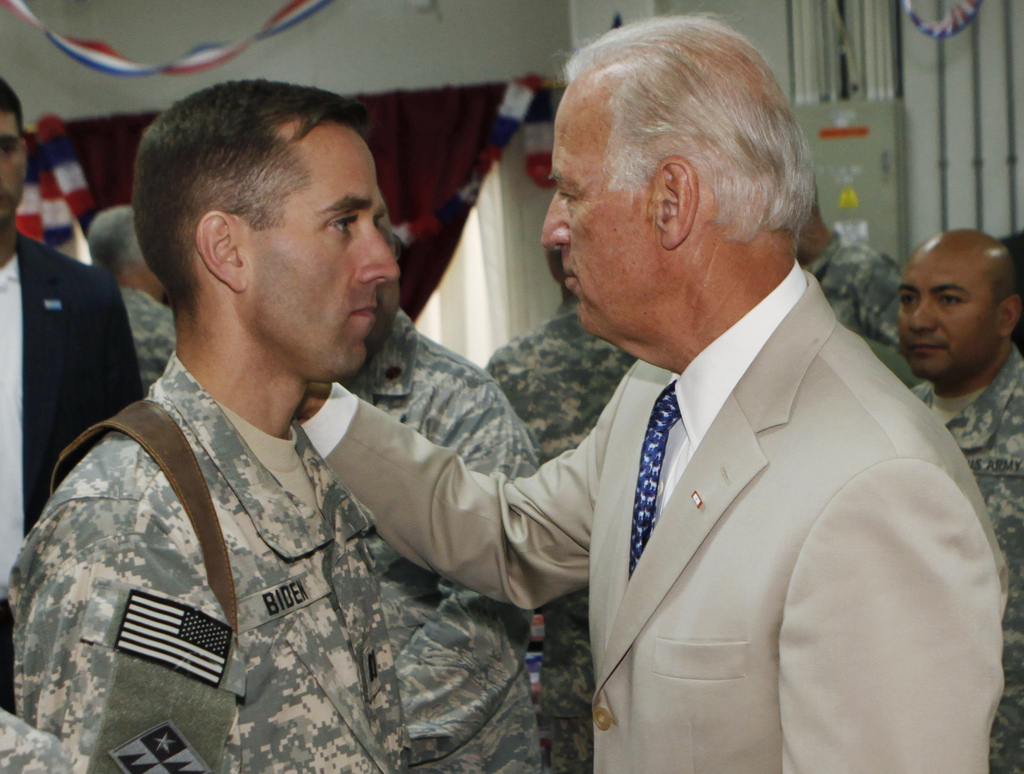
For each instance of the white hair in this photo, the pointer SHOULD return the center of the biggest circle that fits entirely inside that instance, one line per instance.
(112, 242)
(692, 86)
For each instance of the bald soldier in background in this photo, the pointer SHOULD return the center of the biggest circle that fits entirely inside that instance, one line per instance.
(958, 309)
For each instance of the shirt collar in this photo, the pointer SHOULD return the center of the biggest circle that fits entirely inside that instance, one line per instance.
(9, 274)
(711, 377)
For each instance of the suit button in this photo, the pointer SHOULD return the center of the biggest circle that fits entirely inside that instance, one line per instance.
(602, 718)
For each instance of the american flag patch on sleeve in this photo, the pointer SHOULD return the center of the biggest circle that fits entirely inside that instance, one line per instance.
(174, 635)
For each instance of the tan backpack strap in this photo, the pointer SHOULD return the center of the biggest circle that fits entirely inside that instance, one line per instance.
(154, 430)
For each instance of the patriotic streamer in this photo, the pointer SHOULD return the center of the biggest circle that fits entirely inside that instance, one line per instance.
(29, 216)
(102, 57)
(955, 21)
(514, 106)
(56, 192)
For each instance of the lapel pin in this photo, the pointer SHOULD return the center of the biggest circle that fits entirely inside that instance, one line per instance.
(52, 304)
(696, 499)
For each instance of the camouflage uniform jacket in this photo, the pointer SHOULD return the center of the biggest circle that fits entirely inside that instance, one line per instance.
(862, 287)
(460, 656)
(152, 326)
(25, 750)
(558, 378)
(308, 684)
(990, 431)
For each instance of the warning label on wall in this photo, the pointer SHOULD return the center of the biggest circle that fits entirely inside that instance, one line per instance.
(848, 198)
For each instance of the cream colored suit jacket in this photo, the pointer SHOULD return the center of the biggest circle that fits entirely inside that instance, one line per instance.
(832, 605)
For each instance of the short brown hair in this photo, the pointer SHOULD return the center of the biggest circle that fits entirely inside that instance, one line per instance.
(222, 149)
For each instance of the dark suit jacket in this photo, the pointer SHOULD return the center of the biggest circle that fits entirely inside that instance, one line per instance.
(79, 363)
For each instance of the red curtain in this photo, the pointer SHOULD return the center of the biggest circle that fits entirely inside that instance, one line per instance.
(425, 144)
(106, 150)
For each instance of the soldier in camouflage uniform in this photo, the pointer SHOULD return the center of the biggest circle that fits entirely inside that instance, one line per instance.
(958, 309)
(860, 283)
(460, 655)
(114, 247)
(558, 378)
(257, 206)
(152, 326)
(24, 750)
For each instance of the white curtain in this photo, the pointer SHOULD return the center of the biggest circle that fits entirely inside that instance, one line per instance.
(469, 311)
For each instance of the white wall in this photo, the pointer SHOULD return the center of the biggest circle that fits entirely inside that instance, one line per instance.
(921, 98)
(590, 18)
(350, 46)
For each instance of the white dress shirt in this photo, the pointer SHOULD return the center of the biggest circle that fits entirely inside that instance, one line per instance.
(12, 496)
(701, 389)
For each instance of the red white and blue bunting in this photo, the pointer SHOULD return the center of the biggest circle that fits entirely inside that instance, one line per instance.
(517, 100)
(961, 15)
(102, 57)
(56, 192)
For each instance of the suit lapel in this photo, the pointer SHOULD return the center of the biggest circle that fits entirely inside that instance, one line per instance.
(728, 458)
(722, 466)
(44, 320)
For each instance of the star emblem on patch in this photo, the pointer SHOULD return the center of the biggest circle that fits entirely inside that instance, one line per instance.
(160, 750)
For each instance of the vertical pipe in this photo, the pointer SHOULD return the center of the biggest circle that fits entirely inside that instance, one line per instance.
(878, 50)
(860, 41)
(979, 159)
(808, 53)
(790, 27)
(885, 52)
(896, 49)
(871, 64)
(1011, 134)
(826, 51)
(816, 35)
(943, 160)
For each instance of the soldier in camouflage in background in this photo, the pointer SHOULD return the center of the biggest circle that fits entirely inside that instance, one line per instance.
(24, 750)
(257, 206)
(558, 378)
(114, 247)
(859, 282)
(957, 312)
(460, 656)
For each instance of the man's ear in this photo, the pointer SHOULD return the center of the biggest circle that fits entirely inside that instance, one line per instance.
(1009, 314)
(220, 241)
(676, 195)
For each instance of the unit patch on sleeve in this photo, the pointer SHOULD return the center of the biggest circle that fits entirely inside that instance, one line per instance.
(160, 750)
(174, 635)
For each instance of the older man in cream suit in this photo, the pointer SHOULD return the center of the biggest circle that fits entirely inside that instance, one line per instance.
(791, 568)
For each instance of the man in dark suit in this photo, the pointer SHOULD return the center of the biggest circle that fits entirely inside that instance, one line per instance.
(66, 361)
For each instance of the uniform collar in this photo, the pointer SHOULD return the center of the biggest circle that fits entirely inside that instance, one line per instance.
(390, 371)
(290, 527)
(974, 427)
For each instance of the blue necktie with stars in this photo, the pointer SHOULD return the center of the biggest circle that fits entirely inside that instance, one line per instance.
(664, 414)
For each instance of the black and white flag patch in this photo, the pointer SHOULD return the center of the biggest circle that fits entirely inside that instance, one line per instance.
(160, 750)
(174, 635)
